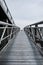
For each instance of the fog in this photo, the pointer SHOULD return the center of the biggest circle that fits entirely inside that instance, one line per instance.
(25, 12)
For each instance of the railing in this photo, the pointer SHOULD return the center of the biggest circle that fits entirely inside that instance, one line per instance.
(7, 31)
(35, 32)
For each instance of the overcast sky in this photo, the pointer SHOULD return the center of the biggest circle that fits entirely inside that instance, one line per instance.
(25, 12)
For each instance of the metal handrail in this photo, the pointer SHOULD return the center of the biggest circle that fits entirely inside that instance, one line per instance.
(7, 27)
(35, 33)
(37, 28)
(4, 29)
(3, 23)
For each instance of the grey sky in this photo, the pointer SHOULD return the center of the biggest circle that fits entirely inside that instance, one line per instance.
(25, 12)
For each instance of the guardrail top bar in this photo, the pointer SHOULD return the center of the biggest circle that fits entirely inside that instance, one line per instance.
(41, 22)
(3, 23)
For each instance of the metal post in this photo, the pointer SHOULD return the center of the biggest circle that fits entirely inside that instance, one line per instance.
(36, 32)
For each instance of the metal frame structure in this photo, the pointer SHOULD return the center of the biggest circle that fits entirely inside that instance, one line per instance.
(35, 32)
(6, 10)
(7, 26)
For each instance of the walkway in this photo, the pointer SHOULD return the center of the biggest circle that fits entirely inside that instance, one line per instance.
(21, 52)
